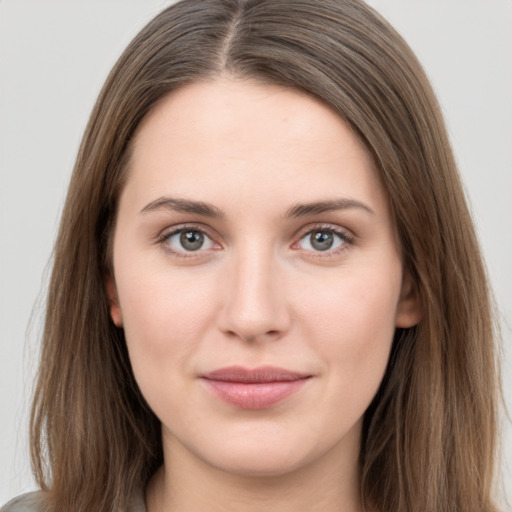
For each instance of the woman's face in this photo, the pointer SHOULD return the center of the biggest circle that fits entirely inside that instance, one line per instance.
(257, 277)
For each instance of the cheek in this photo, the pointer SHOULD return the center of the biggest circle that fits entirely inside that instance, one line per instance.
(165, 315)
(353, 304)
(352, 324)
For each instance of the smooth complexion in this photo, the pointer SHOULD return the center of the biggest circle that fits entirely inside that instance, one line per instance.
(253, 232)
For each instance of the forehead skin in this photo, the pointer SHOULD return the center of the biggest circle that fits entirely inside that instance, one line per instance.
(199, 139)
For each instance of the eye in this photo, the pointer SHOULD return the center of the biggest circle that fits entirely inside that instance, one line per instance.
(323, 239)
(187, 240)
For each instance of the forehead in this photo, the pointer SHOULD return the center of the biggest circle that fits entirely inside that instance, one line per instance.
(213, 111)
(245, 137)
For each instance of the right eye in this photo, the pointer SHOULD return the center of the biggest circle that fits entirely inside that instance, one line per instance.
(187, 240)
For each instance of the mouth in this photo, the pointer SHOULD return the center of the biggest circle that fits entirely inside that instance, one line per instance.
(258, 388)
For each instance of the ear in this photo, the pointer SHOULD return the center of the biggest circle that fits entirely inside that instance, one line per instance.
(409, 311)
(113, 301)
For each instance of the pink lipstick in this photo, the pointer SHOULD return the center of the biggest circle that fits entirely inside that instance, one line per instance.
(257, 388)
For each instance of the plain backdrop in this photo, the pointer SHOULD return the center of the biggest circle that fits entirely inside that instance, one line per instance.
(54, 57)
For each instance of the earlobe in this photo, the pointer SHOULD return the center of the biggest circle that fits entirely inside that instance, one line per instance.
(409, 311)
(113, 302)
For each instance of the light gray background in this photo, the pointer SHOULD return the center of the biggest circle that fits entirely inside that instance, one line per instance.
(54, 56)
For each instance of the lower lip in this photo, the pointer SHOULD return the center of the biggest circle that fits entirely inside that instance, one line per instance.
(254, 395)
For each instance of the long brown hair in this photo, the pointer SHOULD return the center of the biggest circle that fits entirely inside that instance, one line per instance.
(429, 435)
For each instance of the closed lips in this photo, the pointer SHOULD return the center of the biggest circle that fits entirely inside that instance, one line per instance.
(259, 388)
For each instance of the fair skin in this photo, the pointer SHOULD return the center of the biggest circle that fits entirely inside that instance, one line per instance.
(252, 277)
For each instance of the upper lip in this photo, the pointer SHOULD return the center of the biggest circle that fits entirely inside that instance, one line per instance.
(253, 375)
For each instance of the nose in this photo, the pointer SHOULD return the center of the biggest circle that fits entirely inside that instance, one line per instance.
(255, 306)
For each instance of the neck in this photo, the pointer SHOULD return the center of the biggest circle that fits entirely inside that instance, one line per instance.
(327, 485)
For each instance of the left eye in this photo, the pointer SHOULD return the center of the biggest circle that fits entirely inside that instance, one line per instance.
(189, 240)
(322, 240)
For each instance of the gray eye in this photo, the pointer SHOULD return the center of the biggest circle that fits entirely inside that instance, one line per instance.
(321, 240)
(189, 240)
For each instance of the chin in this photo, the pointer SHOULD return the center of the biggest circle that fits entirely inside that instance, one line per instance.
(255, 464)
(268, 454)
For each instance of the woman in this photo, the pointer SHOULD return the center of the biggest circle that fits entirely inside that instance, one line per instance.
(267, 290)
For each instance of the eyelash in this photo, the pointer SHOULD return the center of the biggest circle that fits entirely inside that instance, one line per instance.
(346, 239)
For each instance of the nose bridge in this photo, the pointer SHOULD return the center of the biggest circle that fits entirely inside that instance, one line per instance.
(255, 303)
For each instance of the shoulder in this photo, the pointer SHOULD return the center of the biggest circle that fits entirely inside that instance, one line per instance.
(34, 502)
(30, 502)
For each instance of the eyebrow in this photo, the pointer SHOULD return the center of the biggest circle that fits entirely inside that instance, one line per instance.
(183, 205)
(304, 209)
(297, 210)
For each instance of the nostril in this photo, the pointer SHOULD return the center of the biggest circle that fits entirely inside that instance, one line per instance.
(251, 338)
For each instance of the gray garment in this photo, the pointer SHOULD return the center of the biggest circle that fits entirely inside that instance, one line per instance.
(33, 502)
(30, 502)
